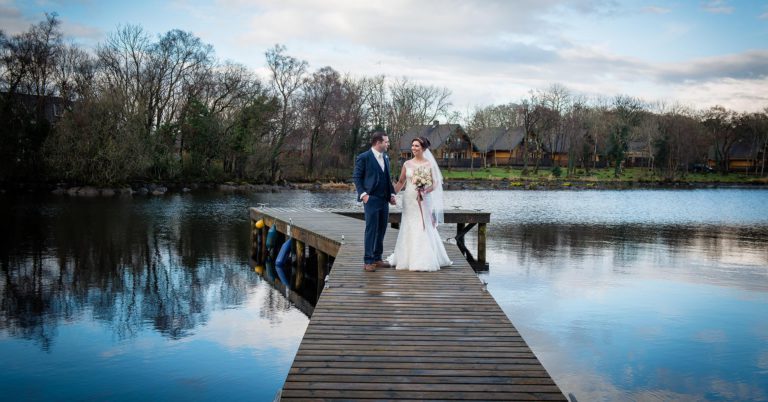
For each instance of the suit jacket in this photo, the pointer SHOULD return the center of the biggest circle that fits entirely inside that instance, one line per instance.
(367, 175)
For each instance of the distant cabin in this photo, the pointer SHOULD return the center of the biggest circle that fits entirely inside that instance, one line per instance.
(743, 156)
(449, 143)
(498, 146)
(453, 146)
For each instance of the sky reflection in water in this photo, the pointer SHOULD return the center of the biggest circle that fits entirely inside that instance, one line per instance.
(624, 295)
(644, 309)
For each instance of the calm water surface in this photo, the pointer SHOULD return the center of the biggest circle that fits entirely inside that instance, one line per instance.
(623, 295)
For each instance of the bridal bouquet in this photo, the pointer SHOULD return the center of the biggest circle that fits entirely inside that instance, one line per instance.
(422, 177)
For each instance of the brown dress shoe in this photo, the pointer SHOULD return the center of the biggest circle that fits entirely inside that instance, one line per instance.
(369, 267)
(382, 264)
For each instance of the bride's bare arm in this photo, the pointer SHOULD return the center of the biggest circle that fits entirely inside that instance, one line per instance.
(400, 182)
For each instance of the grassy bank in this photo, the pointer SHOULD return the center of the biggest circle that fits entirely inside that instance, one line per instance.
(629, 176)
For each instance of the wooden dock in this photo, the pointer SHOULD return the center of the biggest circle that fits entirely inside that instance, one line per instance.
(464, 220)
(399, 335)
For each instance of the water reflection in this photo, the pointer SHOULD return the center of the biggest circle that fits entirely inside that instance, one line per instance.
(707, 254)
(120, 262)
(634, 295)
(635, 312)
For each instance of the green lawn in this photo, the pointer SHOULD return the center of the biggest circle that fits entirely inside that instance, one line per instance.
(596, 175)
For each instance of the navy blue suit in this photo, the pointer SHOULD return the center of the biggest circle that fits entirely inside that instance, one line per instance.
(371, 179)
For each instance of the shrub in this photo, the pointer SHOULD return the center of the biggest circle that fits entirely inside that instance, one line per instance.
(99, 142)
(556, 171)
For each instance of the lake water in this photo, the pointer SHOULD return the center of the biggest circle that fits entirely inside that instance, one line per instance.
(623, 295)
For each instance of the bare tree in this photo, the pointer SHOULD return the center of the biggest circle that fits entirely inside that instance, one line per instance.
(626, 115)
(228, 87)
(531, 114)
(475, 123)
(178, 62)
(160, 80)
(287, 77)
(356, 115)
(124, 59)
(322, 98)
(75, 74)
(680, 141)
(413, 104)
(29, 59)
(501, 117)
(754, 129)
(764, 137)
(557, 99)
(45, 42)
(239, 100)
(377, 101)
(721, 127)
(27, 65)
(578, 134)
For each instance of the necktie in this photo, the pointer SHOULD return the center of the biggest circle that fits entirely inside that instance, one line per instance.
(380, 159)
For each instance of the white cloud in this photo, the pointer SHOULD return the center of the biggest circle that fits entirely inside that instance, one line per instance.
(741, 95)
(11, 19)
(717, 7)
(748, 65)
(484, 51)
(80, 31)
(240, 328)
(656, 10)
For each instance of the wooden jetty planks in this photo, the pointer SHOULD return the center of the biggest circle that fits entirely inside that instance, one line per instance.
(399, 335)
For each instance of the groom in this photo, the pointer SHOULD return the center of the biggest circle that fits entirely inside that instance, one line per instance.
(374, 189)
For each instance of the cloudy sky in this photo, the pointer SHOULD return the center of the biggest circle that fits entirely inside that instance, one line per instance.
(698, 53)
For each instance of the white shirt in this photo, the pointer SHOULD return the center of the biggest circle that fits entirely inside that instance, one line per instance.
(379, 158)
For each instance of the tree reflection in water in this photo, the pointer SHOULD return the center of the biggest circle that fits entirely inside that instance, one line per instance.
(721, 248)
(132, 266)
(575, 269)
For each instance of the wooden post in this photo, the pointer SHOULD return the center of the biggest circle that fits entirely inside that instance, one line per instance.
(481, 242)
(263, 254)
(459, 228)
(299, 265)
(322, 260)
(254, 248)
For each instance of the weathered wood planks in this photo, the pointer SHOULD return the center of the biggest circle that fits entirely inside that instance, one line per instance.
(399, 335)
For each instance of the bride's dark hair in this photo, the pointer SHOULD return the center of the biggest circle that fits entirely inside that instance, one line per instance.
(423, 141)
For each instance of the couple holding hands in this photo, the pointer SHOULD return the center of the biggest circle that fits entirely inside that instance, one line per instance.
(418, 246)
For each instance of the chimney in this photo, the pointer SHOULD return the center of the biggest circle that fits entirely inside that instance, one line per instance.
(435, 123)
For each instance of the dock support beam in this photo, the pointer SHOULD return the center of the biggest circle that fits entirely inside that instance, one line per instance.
(322, 262)
(481, 242)
(299, 280)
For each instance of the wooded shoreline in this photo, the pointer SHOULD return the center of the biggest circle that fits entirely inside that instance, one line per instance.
(159, 189)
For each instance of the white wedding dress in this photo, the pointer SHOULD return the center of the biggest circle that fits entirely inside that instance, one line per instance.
(418, 246)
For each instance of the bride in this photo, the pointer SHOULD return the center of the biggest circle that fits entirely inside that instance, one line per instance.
(418, 246)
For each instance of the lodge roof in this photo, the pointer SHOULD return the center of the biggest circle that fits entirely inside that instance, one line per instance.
(436, 133)
(497, 138)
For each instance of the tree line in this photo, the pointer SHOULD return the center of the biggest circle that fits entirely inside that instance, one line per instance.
(165, 108)
(671, 137)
